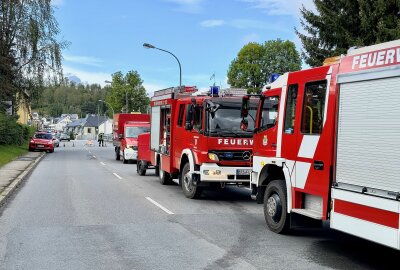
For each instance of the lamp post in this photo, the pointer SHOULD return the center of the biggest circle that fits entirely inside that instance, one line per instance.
(107, 104)
(149, 46)
(126, 98)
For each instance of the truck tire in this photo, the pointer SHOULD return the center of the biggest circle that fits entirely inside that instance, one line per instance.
(123, 158)
(117, 156)
(165, 178)
(189, 190)
(275, 207)
(141, 168)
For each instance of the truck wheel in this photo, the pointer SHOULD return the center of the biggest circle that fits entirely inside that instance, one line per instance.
(275, 207)
(141, 168)
(165, 178)
(189, 190)
(123, 158)
(117, 156)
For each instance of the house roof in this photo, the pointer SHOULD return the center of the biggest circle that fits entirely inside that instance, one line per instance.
(78, 122)
(94, 120)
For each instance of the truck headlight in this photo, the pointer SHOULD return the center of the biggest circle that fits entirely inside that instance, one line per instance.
(213, 156)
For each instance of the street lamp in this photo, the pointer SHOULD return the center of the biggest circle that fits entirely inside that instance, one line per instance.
(107, 104)
(149, 46)
(126, 97)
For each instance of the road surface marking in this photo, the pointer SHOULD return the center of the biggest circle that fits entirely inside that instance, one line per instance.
(159, 205)
(102, 163)
(116, 175)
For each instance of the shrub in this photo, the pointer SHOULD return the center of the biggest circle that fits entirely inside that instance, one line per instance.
(12, 132)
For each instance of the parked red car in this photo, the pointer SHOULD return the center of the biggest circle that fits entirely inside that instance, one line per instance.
(42, 141)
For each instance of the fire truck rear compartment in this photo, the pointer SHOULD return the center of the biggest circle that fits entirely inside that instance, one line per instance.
(368, 132)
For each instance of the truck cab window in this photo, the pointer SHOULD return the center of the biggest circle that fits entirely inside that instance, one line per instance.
(197, 120)
(313, 107)
(290, 108)
(180, 115)
(269, 112)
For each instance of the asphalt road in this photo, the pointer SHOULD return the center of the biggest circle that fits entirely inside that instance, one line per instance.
(81, 209)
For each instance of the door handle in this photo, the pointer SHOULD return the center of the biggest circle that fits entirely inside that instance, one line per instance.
(318, 165)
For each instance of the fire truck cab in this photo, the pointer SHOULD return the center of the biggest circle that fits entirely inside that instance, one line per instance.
(196, 140)
(332, 152)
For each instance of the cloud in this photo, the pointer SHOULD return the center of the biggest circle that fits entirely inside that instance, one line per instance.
(212, 23)
(88, 77)
(245, 24)
(281, 7)
(187, 6)
(85, 60)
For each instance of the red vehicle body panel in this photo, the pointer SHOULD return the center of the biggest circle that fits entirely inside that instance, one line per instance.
(38, 142)
(309, 161)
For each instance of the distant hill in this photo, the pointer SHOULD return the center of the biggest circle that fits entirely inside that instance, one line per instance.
(73, 78)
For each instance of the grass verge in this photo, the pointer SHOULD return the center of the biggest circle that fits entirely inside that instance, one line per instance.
(10, 152)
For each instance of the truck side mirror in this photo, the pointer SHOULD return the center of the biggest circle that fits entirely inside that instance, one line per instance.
(189, 117)
(245, 106)
(121, 136)
(244, 124)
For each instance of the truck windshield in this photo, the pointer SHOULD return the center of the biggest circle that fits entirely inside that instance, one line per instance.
(134, 132)
(223, 119)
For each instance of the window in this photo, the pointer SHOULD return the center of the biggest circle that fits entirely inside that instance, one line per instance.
(197, 118)
(290, 109)
(313, 107)
(180, 115)
(89, 130)
(269, 112)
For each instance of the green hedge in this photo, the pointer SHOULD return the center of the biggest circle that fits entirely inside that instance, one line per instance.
(12, 132)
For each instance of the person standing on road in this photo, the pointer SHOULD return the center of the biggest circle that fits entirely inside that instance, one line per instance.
(101, 139)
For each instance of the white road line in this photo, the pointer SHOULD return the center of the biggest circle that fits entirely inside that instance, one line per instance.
(159, 205)
(116, 175)
(102, 163)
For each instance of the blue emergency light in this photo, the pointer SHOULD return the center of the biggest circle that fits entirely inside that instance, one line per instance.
(214, 91)
(273, 77)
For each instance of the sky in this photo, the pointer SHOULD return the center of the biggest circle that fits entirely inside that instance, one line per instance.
(205, 35)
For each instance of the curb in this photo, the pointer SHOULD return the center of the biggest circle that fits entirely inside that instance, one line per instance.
(8, 191)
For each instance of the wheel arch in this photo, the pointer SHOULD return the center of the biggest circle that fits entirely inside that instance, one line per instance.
(271, 172)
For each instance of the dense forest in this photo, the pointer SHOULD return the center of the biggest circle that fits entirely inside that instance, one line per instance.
(71, 98)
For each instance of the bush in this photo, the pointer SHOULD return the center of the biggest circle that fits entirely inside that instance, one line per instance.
(12, 132)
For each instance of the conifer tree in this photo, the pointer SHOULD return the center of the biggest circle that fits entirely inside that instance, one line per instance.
(341, 24)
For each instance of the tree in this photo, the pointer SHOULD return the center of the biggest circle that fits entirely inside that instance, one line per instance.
(30, 53)
(340, 24)
(255, 63)
(127, 89)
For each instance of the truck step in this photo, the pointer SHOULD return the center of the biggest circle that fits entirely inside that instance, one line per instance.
(307, 212)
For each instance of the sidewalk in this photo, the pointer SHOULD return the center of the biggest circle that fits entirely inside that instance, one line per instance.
(14, 172)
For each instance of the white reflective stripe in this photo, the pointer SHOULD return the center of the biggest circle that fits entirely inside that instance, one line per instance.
(302, 170)
(365, 229)
(328, 82)
(308, 146)
(280, 121)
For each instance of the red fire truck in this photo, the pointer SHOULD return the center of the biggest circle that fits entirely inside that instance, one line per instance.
(326, 146)
(126, 128)
(195, 140)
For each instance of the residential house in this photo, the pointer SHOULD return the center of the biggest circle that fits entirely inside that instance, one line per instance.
(89, 127)
(24, 108)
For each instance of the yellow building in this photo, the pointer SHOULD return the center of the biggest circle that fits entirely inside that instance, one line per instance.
(24, 108)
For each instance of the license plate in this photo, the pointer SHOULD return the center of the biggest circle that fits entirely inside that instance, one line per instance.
(243, 172)
(40, 146)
